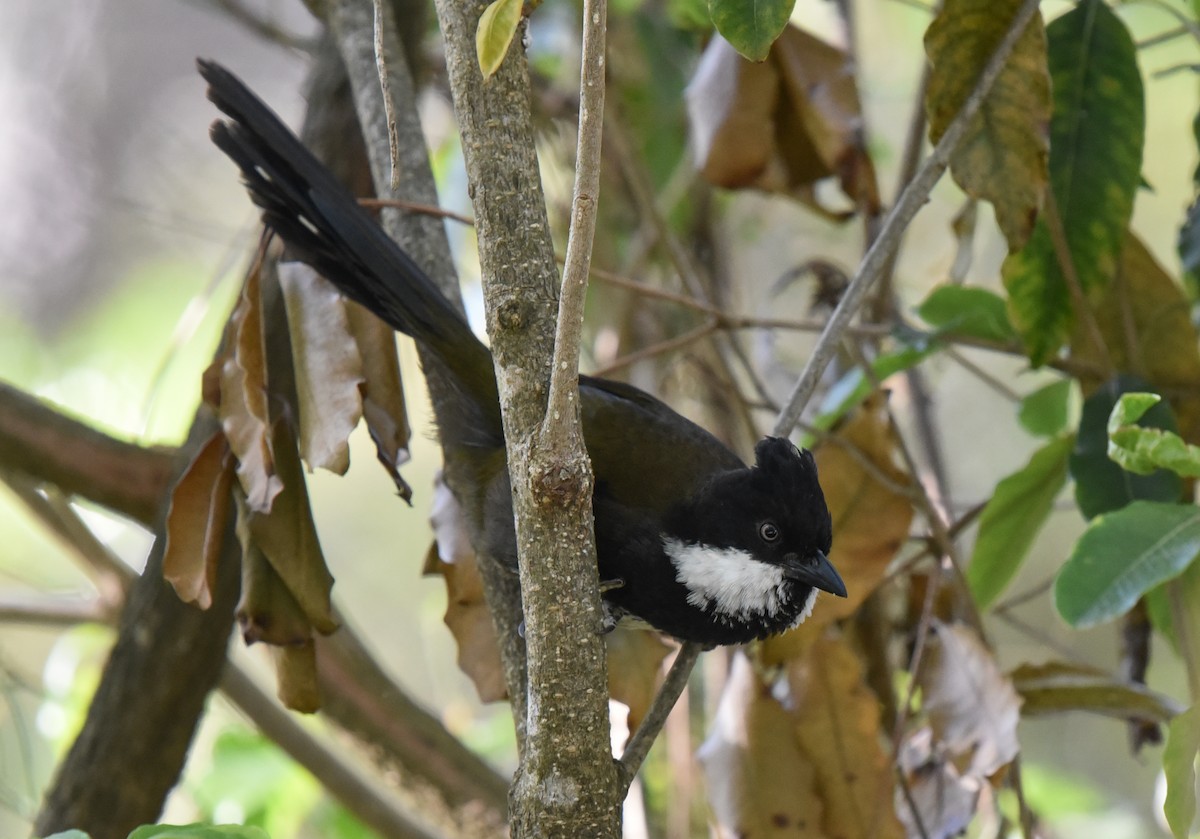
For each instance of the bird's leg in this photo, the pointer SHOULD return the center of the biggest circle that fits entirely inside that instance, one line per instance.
(612, 614)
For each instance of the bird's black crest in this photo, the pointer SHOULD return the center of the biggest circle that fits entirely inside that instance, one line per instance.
(791, 469)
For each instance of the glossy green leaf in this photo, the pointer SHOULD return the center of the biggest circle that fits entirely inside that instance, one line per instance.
(198, 831)
(1002, 156)
(750, 26)
(1100, 484)
(1121, 556)
(966, 310)
(1179, 767)
(1143, 450)
(494, 34)
(1012, 518)
(1045, 412)
(1096, 138)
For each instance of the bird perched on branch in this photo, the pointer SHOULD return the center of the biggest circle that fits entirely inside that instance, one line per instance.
(689, 539)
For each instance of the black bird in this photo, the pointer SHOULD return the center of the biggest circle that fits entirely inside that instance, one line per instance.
(690, 540)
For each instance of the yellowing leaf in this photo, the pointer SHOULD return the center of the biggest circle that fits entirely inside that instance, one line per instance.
(494, 35)
(328, 366)
(244, 412)
(288, 537)
(296, 677)
(760, 782)
(196, 523)
(1145, 320)
(1003, 156)
(837, 723)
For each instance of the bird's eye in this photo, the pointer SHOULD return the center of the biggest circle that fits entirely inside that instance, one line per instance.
(768, 532)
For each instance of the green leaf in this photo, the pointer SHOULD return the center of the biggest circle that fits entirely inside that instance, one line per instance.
(494, 35)
(1002, 157)
(1045, 412)
(198, 831)
(1179, 767)
(1121, 556)
(1143, 450)
(1010, 521)
(750, 26)
(850, 390)
(68, 834)
(1096, 138)
(1100, 484)
(966, 310)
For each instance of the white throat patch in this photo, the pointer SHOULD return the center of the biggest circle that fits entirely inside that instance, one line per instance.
(730, 582)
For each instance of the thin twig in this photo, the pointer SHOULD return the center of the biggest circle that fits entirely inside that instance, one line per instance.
(389, 107)
(562, 403)
(417, 207)
(639, 744)
(911, 200)
(983, 375)
(661, 348)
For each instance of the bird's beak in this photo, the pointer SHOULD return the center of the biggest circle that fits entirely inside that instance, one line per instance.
(816, 571)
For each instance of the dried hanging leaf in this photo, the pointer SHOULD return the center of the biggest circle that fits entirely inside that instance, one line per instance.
(467, 613)
(971, 705)
(288, 537)
(945, 801)
(837, 723)
(383, 395)
(871, 518)
(759, 781)
(783, 125)
(494, 34)
(196, 523)
(244, 413)
(267, 610)
(329, 368)
(1003, 157)
(296, 677)
(635, 660)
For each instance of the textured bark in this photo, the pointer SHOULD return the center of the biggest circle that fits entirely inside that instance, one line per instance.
(139, 726)
(566, 785)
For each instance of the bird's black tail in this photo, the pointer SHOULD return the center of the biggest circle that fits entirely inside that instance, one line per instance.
(325, 227)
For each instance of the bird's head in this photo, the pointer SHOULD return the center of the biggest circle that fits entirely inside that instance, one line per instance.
(772, 513)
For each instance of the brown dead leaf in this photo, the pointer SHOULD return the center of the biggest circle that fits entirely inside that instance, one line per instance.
(837, 724)
(760, 782)
(972, 706)
(267, 610)
(944, 800)
(296, 677)
(329, 368)
(781, 125)
(635, 660)
(1144, 317)
(196, 523)
(383, 395)
(244, 413)
(288, 537)
(467, 613)
(871, 520)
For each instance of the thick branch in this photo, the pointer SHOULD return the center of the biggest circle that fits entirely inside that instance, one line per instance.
(37, 440)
